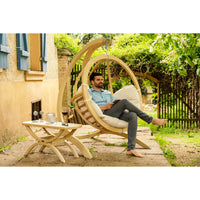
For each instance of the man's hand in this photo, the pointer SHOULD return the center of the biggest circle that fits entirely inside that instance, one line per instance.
(107, 106)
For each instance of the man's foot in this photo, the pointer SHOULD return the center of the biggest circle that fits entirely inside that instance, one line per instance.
(133, 152)
(159, 122)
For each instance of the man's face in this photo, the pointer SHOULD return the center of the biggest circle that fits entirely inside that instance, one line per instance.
(98, 82)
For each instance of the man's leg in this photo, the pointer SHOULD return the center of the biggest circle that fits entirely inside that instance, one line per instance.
(131, 118)
(118, 109)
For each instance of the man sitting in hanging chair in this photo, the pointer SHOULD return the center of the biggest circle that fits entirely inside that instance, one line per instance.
(121, 109)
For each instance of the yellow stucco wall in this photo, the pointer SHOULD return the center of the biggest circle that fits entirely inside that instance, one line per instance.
(16, 94)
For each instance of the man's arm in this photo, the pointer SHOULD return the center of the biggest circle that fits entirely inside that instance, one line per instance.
(107, 106)
(110, 104)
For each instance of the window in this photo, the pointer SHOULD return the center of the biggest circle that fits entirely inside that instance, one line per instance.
(4, 51)
(35, 62)
(36, 106)
(37, 48)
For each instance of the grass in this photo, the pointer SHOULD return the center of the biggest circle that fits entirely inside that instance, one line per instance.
(92, 149)
(21, 139)
(182, 138)
(165, 135)
(4, 148)
(124, 144)
(109, 144)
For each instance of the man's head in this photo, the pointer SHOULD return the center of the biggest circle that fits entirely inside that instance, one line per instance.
(96, 80)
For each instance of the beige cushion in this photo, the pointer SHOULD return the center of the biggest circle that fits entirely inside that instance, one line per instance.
(97, 109)
(94, 105)
(115, 122)
(130, 93)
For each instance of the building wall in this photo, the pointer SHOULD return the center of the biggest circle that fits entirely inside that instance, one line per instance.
(16, 94)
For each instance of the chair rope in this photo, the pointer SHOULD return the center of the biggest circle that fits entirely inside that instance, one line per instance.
(87, 100)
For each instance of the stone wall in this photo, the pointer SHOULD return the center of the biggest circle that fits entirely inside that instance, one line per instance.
(64, 59)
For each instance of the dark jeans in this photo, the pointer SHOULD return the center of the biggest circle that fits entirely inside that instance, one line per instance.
(126, 111)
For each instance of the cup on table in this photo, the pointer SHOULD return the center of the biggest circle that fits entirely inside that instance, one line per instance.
(51, 117)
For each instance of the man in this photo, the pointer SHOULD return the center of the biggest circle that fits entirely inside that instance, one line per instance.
(123, 110)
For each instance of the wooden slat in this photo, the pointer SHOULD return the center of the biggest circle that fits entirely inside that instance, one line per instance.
(83, 112)
(83, 105)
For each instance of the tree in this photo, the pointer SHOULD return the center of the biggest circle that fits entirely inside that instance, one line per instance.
(182, 52)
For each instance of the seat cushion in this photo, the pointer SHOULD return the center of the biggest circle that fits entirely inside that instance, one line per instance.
(115, 122)
(130, 93)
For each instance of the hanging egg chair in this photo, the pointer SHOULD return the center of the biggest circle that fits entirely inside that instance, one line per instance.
(88, 109)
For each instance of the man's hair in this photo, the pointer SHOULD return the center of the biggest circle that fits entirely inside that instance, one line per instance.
(92, 76)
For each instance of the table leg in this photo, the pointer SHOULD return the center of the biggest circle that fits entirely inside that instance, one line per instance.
(49, 133)
(42, 148)
(32, 133)
(72, 149)
(67, 134)
(30, 148)
(61, 136)
(44, 143)
(84, 150)
(56, 151)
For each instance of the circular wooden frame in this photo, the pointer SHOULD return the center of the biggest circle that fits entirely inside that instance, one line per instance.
(85, 73)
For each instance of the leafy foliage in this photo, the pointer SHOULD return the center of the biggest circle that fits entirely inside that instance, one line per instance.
(75, 42)
(169, 53)
(135, 50)
(63, 40)
(181, 52)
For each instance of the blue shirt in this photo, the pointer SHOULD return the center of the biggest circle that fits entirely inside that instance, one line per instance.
(101, 98)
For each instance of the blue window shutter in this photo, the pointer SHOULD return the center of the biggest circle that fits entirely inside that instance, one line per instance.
(22, 51)
(4, 51)
(44, 52)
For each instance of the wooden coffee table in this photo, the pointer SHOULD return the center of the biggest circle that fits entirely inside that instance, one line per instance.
(52, 139)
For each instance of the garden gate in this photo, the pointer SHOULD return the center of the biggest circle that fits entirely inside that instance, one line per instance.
(179, 103)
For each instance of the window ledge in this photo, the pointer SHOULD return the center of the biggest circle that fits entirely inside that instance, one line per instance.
(34, 76)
